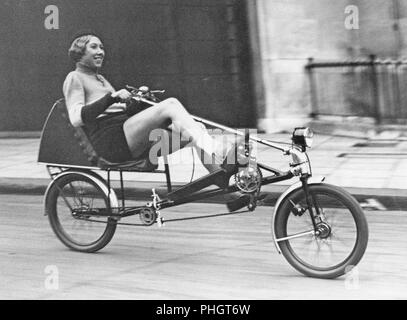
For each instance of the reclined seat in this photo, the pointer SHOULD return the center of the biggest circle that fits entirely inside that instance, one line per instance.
(65, 145)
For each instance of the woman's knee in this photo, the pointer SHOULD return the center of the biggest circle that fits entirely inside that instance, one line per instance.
(171, 106)
(172, 102)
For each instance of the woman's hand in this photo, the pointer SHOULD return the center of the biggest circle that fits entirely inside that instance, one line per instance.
(122, 94)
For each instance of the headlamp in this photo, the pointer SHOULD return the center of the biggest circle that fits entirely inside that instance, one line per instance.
(303, 137)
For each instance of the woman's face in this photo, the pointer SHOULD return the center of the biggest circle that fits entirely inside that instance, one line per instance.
(94, 53)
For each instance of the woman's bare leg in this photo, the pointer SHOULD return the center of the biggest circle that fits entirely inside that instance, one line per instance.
(173, 141)
(137, 129)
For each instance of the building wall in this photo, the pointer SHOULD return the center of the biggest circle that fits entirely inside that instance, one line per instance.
(197, 50)
(191, 48)
(291, 31)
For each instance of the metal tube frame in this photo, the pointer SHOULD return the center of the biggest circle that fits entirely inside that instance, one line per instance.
(124, 211)
(199, 195)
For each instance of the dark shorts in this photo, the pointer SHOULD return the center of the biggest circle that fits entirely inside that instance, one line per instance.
(108, 139)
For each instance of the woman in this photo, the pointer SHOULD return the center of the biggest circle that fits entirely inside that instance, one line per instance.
(95, 105)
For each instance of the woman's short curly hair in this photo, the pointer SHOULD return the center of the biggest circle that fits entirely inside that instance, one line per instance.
(78, 46)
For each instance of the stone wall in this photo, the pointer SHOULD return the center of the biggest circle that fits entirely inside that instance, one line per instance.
(291, 31)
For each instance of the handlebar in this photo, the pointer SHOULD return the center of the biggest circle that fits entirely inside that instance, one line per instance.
(144, 92)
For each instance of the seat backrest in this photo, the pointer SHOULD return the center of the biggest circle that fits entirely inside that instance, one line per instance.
(66, 145)
(63, 144)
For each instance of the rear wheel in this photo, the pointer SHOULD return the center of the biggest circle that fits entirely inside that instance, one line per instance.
(73, 203)
(339, 240)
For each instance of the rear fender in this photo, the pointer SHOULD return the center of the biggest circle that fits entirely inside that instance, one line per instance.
(97, 179)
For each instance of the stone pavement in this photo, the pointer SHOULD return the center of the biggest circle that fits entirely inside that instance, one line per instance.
(370, 169)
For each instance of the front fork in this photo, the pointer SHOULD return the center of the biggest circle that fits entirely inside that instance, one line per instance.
(304, 183)
(310, 200)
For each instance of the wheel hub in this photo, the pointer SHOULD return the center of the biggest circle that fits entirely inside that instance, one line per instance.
(323, 230)
(80, 213)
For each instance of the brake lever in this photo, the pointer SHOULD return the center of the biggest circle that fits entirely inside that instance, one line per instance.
(131, 88)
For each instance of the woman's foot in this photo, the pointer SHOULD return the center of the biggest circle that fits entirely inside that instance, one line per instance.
(235, 156)
(226, 157)
(237, 201)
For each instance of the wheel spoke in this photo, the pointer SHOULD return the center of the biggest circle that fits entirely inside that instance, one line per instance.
(341, 240)
(297, 235)
(73, 195)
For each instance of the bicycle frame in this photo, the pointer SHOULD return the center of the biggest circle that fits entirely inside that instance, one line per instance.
(192, 191)
(123, 211)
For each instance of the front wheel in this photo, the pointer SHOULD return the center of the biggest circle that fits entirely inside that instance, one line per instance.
(334, 244)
